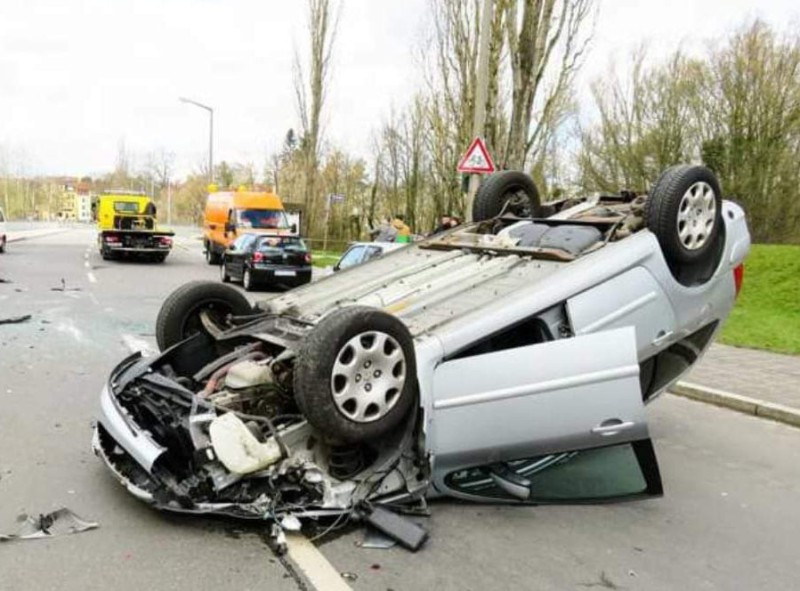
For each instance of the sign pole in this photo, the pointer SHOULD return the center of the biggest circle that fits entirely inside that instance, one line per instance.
(327, 217)
(480, 94)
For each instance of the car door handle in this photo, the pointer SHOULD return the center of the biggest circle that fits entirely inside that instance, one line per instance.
(612, 427)
(661, 338)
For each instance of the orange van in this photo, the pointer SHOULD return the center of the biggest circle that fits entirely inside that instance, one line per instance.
(229, 214)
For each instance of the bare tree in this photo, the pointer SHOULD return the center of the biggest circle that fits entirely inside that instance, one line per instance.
(546, 43)
(160, 167)
(310, 95)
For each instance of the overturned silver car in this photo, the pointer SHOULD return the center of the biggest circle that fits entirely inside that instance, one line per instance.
(508, 360)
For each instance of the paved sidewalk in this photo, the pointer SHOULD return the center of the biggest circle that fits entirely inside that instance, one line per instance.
(770, 377)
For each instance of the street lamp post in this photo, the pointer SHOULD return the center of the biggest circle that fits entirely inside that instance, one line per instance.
(210, 134)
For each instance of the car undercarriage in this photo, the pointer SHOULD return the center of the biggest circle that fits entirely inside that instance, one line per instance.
(411, 376)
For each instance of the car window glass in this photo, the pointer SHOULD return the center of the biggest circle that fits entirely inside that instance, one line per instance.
(352, 257)
(243, 242)
(373, 252)
(281, 242)
(126, 207)
(592, 474)
(262, 218)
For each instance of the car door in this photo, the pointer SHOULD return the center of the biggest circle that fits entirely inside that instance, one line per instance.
(557, 421)
(235, 256)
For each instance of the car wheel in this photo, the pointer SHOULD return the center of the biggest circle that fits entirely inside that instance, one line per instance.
(223, 272)
(212, 258)
(2, 245)
(247, 280)
(355, 374)
(181, 313)
(509, 191)
(684, 211)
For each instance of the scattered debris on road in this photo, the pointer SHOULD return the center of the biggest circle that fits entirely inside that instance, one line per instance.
(59, 522)
(64, 287)
(15, 319)
(2, 280)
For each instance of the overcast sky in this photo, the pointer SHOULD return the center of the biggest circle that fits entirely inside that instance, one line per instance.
(78, 76)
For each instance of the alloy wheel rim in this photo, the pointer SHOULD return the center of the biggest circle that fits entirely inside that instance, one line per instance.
(368, 376)
(697, 213)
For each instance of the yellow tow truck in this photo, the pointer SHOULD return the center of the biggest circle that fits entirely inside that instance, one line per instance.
(127, 227)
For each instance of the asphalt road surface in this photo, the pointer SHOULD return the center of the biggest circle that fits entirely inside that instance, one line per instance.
(729, 519)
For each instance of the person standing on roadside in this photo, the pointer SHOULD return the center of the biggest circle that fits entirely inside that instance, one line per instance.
(384, 231)
(443, 225)
(403, 231)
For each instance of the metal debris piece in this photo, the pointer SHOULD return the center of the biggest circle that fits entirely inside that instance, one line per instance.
(375, 540)
(59, 522)
(349, 576)
(15, 319)
(2, 280)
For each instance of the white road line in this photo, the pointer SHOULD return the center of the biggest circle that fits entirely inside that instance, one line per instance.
(137, 345)
(92, 278)
(86, 264)
(86, 254)
(314, 565)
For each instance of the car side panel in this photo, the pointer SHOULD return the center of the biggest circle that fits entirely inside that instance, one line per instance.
(539, 399)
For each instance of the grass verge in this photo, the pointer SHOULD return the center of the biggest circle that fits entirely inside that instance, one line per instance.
(767, 313)
(324, 258)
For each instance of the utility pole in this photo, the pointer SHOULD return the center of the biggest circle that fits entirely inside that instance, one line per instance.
(481, 92)
(210, 134)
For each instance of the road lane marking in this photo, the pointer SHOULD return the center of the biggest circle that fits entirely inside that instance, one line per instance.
(137, 345)
(86, 264)
(92, 278)
(320, 573)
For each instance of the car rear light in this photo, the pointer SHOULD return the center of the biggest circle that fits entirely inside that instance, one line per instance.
(308, 258)
(166, 241)
(738, 278)
(111, 238)
(258, 257)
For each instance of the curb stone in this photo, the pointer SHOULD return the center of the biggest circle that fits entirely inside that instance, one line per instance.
(744, 404)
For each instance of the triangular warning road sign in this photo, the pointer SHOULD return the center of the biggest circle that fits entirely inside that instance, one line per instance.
(476, 159)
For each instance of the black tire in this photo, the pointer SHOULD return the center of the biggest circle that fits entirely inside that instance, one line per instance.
(212, 257)
(179, 317)
(3, 245)
(509, 191)
(248, 282)
(223, 272)
(313, 373)
(685, 240)
(160, 257)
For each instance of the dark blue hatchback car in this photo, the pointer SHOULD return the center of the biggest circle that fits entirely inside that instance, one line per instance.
(259, 260)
